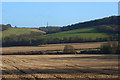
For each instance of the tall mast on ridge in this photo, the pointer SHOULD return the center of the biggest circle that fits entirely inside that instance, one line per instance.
(47, 23)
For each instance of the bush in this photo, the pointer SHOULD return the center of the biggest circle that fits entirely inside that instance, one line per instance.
(68, 49)
(108, 28)
(110, 47)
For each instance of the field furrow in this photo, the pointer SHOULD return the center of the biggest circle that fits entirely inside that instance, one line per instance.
(59, 66)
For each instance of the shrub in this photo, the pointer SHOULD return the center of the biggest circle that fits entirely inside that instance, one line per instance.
(110, 47)
(68, 49)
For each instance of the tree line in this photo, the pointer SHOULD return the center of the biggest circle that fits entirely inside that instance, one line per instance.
(36, 38)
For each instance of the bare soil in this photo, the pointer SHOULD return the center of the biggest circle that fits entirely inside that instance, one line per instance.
(50, 47)
(36, 30)
(60, 67)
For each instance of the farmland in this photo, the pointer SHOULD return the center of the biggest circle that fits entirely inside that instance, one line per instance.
(19, 31)
(89, 32)
(98, 30)
(59, 41)
(77, 66)
(33, 37)
(25, 55)
(48, 47)
(57, 67)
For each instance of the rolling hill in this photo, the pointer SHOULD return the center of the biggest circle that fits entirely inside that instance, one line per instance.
(112, 20)
(100, 28)
(89, 32)
(19, 31)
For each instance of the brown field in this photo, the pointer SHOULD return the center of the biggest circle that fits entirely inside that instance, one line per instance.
(36, 30)
(59, 67)
(50, 47)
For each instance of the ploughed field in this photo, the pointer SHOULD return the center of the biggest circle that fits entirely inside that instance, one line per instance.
(57, 67)
(49, 47)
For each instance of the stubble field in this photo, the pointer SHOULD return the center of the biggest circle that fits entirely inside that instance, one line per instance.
(59, 67)
(49, 47)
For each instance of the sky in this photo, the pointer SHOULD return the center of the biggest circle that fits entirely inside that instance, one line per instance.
(37, 14)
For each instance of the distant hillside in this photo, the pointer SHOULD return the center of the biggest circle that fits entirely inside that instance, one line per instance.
(113, 20)
(87, 33)
(19, 31)
(108, 21)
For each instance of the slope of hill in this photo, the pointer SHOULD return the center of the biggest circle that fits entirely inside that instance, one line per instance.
(19, 31)
(89, 32)
(113, 20)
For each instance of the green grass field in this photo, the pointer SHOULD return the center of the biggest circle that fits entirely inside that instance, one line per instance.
(89, 32)
(83, 32)
(16, 31)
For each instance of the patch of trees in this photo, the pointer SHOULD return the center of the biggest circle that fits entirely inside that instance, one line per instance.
(31, 39)
(111, 47)
(113, 20)
(4, 27)
(108, 29)
(36, 38)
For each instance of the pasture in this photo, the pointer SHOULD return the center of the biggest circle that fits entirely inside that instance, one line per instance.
(18, 31)
(87, 33)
